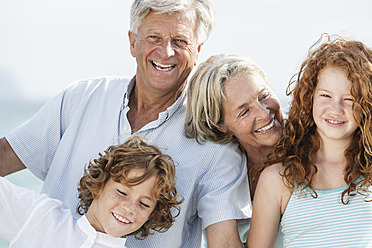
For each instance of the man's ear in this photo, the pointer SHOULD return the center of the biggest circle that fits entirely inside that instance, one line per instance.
(132, 41)
(197, 54)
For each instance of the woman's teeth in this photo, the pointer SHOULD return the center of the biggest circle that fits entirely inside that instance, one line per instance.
(266, 128)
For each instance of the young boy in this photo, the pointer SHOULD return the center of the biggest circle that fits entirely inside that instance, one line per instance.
(129, 190)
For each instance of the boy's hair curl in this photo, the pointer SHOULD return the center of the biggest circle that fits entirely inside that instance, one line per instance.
(116, 163)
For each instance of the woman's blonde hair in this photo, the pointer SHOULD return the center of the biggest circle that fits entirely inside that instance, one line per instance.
(206, 95)
(116, 163)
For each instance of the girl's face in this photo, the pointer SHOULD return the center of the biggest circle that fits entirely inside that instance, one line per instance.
(119, 210)
(252, 111)
(333, 105)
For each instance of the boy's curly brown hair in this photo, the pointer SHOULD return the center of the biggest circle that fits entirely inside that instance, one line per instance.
(116, 163)
(297, 148)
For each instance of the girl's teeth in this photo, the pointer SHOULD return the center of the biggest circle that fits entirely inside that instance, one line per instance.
(334, 122)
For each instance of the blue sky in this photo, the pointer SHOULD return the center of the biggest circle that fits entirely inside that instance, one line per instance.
(47, 44)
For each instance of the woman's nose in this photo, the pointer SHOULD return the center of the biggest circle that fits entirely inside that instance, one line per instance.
(262, 112)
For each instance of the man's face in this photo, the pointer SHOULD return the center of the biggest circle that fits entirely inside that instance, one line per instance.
(166, 50)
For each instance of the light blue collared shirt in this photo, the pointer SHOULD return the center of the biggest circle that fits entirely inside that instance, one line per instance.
(91, 115)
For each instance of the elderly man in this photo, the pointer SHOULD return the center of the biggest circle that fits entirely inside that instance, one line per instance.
(166, 37)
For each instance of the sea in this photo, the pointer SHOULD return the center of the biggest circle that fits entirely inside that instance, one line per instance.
(12, 114)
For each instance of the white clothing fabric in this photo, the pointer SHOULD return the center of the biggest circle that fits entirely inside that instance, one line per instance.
(91, 115)
(30, 220)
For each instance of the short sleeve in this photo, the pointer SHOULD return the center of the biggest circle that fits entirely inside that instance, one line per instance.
(35, 142)
(224, 190)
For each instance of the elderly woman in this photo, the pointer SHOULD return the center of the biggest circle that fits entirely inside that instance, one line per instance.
(229, 100)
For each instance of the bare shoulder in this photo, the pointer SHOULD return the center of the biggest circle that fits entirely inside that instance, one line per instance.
(271, 178)
(272, 172)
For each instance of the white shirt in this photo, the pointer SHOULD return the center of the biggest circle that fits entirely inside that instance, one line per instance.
(32, 220)
(91, 115)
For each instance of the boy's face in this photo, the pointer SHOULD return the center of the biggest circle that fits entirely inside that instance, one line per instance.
(119, 210)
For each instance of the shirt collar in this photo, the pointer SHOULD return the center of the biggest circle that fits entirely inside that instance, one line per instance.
(165, 114)
(98, 237)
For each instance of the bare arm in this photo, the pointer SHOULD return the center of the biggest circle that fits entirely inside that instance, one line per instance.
(223, 234)
(9, 161)
(270, 195)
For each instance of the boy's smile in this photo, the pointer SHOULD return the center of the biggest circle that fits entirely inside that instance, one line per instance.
(119, 210)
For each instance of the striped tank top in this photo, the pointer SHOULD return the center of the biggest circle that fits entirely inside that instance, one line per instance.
(325, 221)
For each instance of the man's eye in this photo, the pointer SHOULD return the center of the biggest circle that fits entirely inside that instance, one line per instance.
(180, 42)
(152, 38)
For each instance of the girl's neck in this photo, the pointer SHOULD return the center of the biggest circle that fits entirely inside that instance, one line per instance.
(331, 162)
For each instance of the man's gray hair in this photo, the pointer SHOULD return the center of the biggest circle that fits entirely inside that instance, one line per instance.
(202, 8)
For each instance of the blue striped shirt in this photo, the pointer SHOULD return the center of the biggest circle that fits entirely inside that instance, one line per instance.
(325, 221)
(90, 115)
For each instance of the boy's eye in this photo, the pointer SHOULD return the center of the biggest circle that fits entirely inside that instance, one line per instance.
(145, 205)
(121, 192)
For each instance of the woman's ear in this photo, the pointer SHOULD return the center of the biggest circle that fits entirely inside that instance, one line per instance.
(221, 128)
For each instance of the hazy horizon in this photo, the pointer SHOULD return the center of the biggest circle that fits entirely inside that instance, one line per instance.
(47, 44)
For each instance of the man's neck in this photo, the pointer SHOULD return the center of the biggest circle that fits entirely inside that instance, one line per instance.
(146, 107)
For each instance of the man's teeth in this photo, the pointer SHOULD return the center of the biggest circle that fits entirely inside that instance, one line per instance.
(121, 219)
(266, 128)
(162, 67)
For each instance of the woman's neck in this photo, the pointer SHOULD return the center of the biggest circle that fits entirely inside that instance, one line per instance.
(256, 156)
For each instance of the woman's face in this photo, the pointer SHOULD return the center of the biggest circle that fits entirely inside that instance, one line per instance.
(252, 111)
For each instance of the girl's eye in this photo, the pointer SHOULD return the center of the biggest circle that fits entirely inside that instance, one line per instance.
(121, 192)
(325, 95)
(349, 99)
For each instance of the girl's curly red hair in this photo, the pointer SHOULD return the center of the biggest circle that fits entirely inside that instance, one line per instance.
(297, 148)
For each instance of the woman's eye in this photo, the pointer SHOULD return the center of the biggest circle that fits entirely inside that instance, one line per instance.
(245, 112)
(264, 96)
